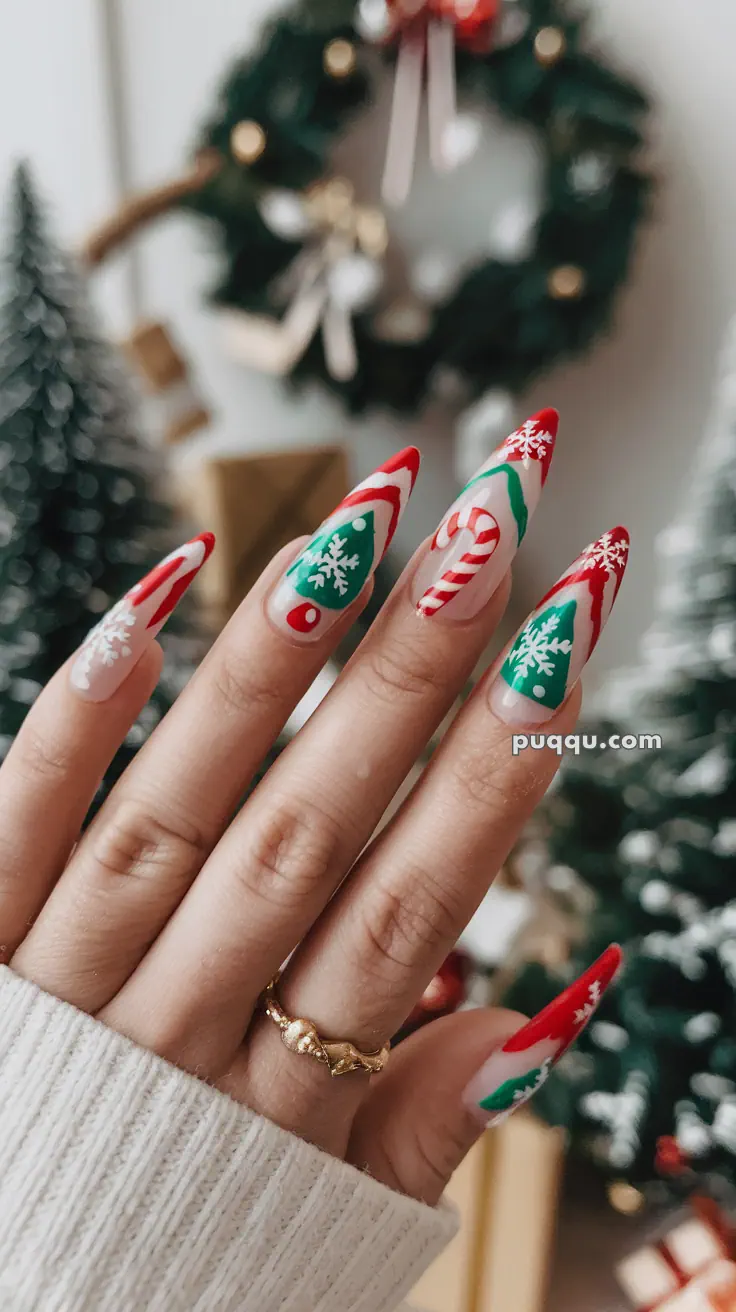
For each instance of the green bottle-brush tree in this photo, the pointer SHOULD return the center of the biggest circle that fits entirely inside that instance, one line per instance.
(80, 515)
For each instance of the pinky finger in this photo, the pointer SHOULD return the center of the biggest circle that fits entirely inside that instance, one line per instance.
(70, 735)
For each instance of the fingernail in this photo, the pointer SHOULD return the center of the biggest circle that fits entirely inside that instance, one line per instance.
(333, 568)
(116, 644)
(549, 654)
(514, 1073)
(484, 528)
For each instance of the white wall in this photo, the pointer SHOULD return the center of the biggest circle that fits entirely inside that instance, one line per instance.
(631, 410)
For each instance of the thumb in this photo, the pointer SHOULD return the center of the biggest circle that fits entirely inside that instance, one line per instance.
(416, 1126)
(460, 1074)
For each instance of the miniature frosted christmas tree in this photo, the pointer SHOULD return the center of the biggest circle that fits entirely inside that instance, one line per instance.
(80, 521)
(648, 841)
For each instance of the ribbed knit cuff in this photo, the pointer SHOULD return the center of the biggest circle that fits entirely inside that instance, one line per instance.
(127, 1184)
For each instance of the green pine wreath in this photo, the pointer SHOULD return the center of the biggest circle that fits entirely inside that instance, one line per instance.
(505, 323)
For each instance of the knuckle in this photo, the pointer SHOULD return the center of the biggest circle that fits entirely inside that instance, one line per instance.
(402, 928)
(136, 842)
(440, 1146)
(479, 779)
(293, 849)
(396, 669)
(236, 687)
(41, 759)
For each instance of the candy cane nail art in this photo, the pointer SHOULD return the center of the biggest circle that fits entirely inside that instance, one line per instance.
(482, 531)
(331, 571)
(551, 651)
(116, 644)
(514, 1073)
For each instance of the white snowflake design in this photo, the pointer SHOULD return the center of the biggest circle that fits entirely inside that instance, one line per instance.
(531, 441)
(332, 564)
(606, 554)
(522, 1096)
(108, 641)
(585, 1012)
(538, 648)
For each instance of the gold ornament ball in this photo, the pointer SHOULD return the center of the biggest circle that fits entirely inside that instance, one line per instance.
(247, 141)
(566, 282)
(624, 1198)
(337, 201)
(340, 58)
(549, 46)
(372, 231)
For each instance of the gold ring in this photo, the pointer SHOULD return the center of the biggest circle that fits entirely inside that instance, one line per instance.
(299, 1035)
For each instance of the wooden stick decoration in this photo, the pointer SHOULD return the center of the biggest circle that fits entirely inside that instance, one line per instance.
(137, 211)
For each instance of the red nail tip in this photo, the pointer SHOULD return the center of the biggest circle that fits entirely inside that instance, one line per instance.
(154, 579)
(533, 442)
(608, 555)
(208, 542)
(566, 1016)
(548, 419)
(410, 458)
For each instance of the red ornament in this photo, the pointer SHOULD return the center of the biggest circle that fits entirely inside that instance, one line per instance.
(304, 618)
(444, 994)
(670, 1158)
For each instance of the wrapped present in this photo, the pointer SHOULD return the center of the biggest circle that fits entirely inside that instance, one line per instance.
(166, 378)
(689, 1268)
(507, 1193)
(255, 504)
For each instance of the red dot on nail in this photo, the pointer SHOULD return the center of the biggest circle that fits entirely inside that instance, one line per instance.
(303, 618)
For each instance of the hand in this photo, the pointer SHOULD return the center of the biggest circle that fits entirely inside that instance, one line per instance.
(168, 917)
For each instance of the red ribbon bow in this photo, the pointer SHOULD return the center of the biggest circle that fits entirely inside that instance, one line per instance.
(472, 20)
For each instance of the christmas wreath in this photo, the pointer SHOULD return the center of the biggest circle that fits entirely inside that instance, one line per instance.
(303, 260)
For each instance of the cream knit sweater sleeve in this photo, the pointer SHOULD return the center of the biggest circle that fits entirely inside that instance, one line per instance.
(127, 1185)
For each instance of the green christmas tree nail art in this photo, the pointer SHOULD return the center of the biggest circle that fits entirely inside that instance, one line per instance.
(538, 664)
(549, 654)
(335, 565)
(512, 1093)
(331, 571)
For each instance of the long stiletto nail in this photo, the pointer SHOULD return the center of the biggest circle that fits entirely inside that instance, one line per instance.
(333, 568)
(514, 1073)
(484, 528)
(116, 644)
(550, 653)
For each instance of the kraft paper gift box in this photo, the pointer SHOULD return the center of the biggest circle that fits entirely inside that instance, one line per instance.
(255, 504)
(507, 1193)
